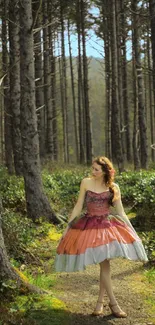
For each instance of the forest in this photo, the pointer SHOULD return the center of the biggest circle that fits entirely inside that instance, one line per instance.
(61, 106)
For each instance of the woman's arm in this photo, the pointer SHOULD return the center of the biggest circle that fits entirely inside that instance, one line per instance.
(78, 206)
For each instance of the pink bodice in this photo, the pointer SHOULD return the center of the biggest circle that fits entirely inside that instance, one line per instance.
(97, 203)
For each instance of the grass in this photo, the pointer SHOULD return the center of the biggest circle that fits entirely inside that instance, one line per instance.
(150, 275)
(39, 309)
(144, 283)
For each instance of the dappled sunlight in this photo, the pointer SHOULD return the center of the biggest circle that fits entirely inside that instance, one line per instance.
(53, 234)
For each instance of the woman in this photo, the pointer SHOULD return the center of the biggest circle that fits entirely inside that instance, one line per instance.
(99, 235)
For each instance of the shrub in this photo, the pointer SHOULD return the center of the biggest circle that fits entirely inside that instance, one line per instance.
(149, 244)
(138, 190)
(19, 232)
(63, 186)
(12, 191)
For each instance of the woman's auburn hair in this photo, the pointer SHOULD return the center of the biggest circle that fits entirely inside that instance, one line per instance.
(108, 169)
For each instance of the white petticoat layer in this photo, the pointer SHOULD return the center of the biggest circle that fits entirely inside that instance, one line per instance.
(72, 263)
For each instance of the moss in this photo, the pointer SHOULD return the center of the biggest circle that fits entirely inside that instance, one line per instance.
(38, 309)
(22, 276)
(53, 234)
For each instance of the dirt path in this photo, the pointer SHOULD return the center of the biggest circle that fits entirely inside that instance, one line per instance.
(79, 292)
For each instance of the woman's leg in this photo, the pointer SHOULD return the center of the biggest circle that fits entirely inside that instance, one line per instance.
(101, 286)
(99, 304)
(105, 282)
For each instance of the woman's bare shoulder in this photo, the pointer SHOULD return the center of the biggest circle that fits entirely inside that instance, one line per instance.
(86, 181)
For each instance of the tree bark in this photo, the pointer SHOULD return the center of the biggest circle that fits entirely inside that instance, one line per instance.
(37, 203)
(73, 94)
(119, 68)
(135, 141)
(151, 99)
(54, 107)
(15, 84)
(116, 138)
(86, 89)
(80, 106)
(6, 270)
(152, 16)
(64, 84)
(39, 87)
(47, 82)
(2, 132)
(127, 125)
(141, 106)
(6, 92)
(106, 37)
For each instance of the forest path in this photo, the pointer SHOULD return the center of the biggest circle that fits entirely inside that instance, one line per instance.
(79, 291)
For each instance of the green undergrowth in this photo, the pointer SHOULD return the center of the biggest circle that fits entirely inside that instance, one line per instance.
(31, 247)
(35, 309)
(62, 186)
(150, 275)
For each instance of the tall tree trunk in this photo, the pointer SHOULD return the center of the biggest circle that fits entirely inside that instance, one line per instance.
(53, 81)
(15, 84)
(47, 81)
(37, 203)
(151, 100)
(106, 36)
(62, 142)
(141, 106)
(1, 131)
(6, 270)
(39, 90)
(53, 84)
(116, 138)
(125, 85)
(152, 15)
(86, 89)
(135, 141)
(73, 94)
(80, 108)
(6, 93)
(64, 84)
(119, 65)
(145, 73)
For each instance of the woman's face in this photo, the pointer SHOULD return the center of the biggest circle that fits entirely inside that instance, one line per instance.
(97, 171)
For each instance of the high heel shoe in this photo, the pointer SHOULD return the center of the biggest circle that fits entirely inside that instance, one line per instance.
(98, 312)
(118, 314)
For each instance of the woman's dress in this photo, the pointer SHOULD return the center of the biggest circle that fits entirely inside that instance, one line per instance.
(98, 235)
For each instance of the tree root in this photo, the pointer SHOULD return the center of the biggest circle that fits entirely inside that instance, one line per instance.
(22, 282)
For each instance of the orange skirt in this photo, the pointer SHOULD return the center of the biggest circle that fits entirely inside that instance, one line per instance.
(91, 240)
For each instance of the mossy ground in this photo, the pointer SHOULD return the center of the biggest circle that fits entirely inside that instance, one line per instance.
(71, 297)
(20, 307)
